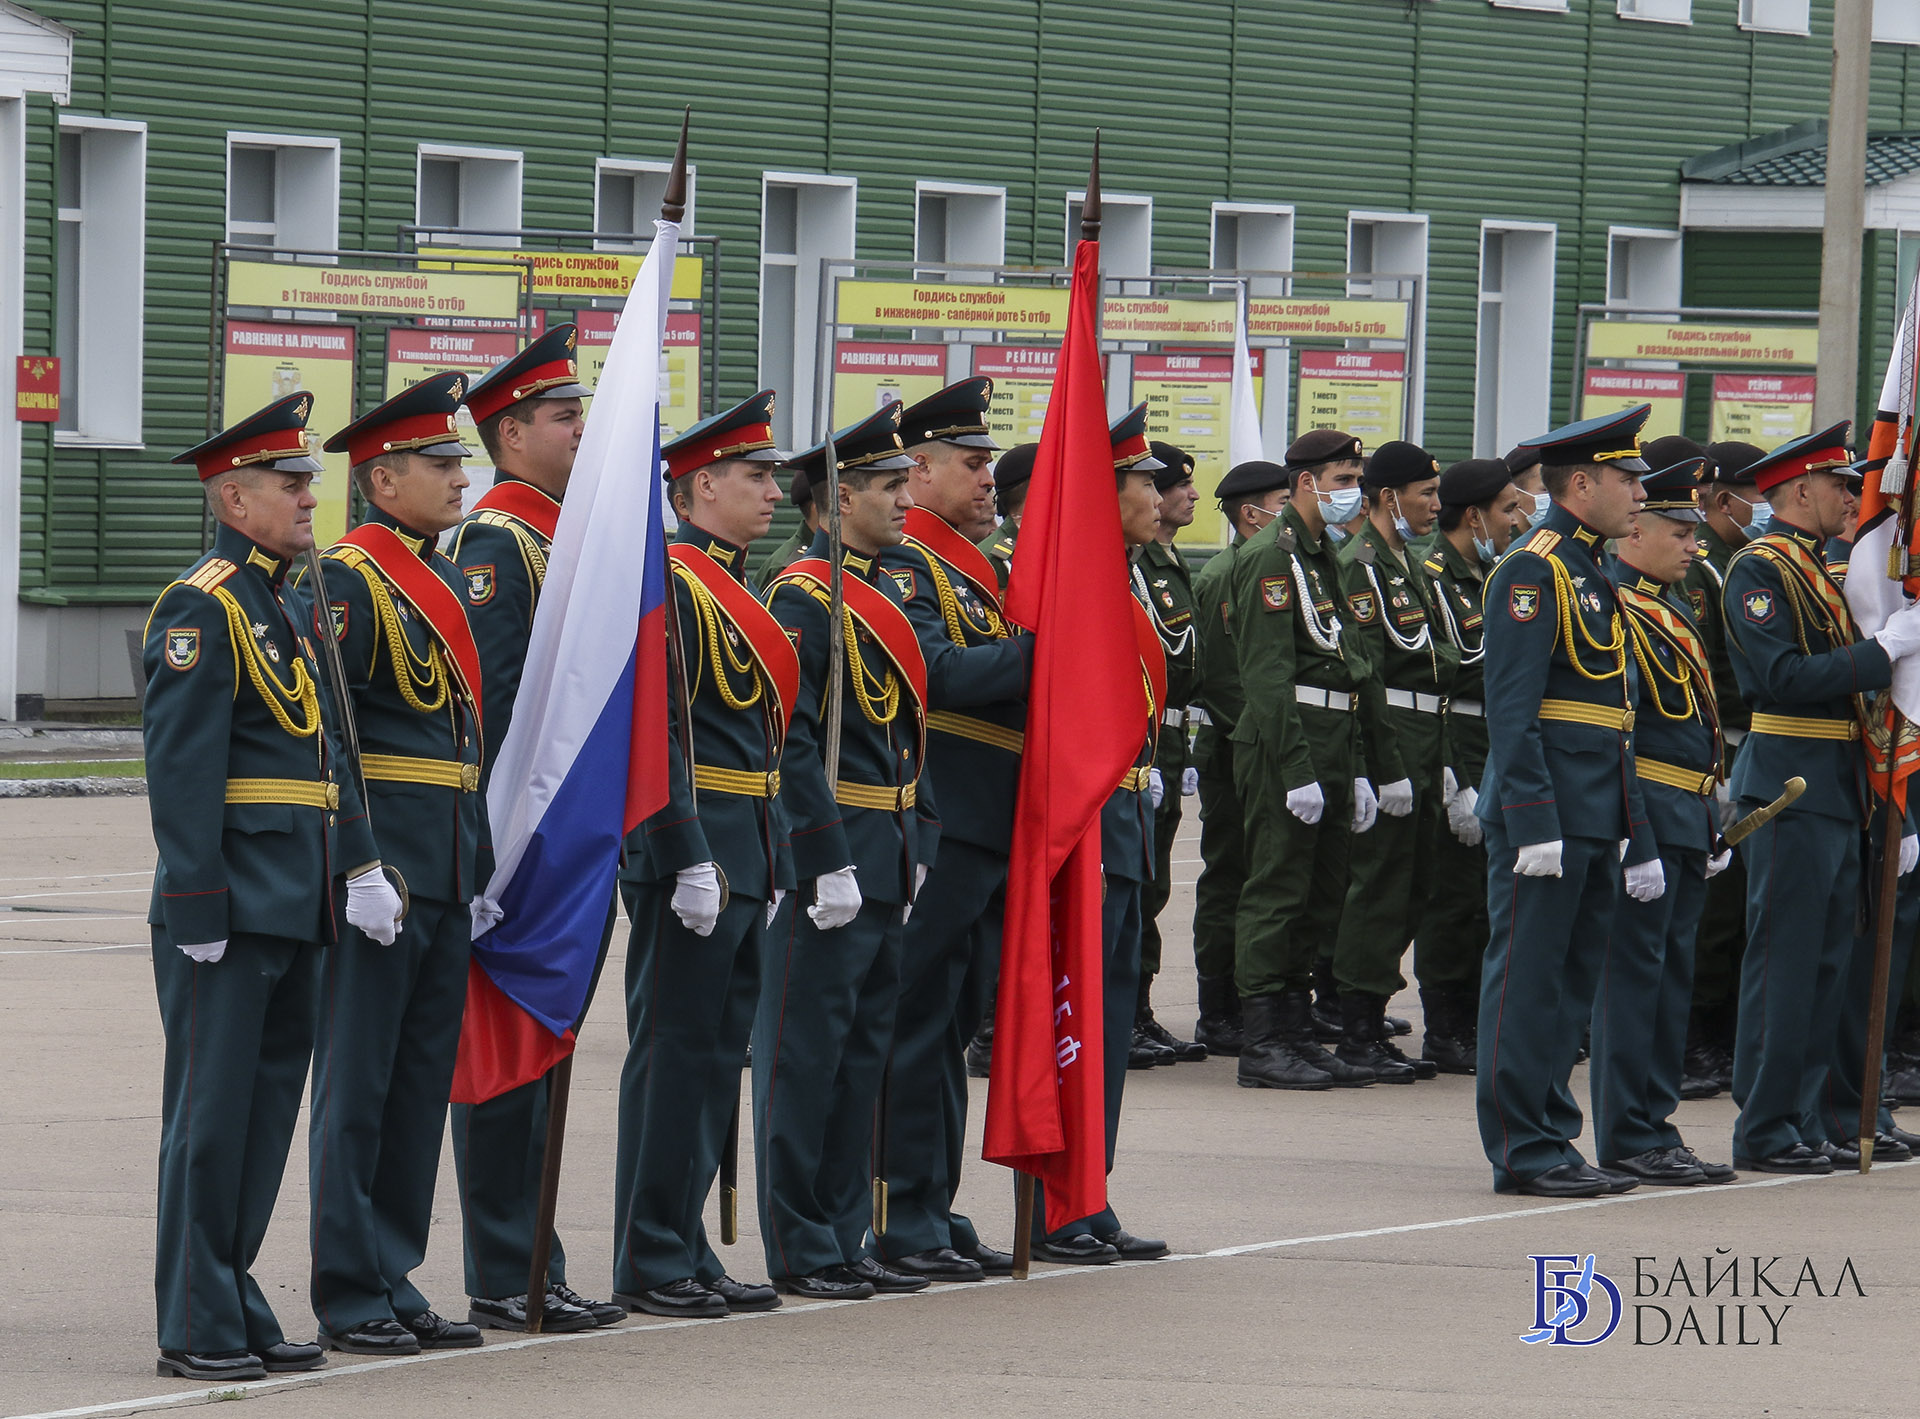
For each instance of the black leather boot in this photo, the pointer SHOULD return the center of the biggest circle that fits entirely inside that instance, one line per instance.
(1383, 1033)
(1446, 1044)
(1346, 1075)
(1145, 1026)
(1328, 1027)
(1360, 1047)
(1218, 1027)
(1269, 1058)
(980, 1051)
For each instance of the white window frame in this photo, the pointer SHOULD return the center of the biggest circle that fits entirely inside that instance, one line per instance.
(643, 225)
(509, 213)
(1656, 12)
(1281, 212)
(990, 252)
(1535, 360)
(812, 248)
(111, 328)
(325, 233)
(1110, 203)
(1416, 345)
(1558, 7)
(1884, 21)
(1762, 17)
(1624, 299)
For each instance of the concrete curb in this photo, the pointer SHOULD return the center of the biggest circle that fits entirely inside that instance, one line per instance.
(73, 788)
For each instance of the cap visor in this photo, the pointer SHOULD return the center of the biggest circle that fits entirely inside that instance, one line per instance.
(451, 449)
(759, 455)
(566, 391)
(1677, 514)
(1630, 465)
(975, 441)
(896, 463)
(1149, 464)
(300, 463)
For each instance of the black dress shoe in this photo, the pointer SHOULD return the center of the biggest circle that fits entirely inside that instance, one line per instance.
(1397, 1026)
(832, 1283)
(1658, 1166)
(980, 1054)
(510, 1313)
(1798, 1159)
(603, 1312)
(939, 1264)
(679, 1299)
(218, 1366)
(884, 1278)
(1566, 1180)
(1618, 1181)
(1184, 1051)
(994, 1263)
(1695, 1086)
(743, 1296)
(1901, 1135)
(1132, 1248)
(436, 1332)
(291, 1357)
(1143, 1053)
(1715, 1172)
(376, 1337)
(1083, 1249)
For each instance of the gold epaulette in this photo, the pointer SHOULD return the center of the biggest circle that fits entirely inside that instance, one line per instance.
(213, 574)
(346, 554)
(1541, 541)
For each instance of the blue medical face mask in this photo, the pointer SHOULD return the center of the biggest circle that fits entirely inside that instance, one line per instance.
(1542, 505)
(1341, 505)
(1761, 520)
(1483, 549)
(1400, 523)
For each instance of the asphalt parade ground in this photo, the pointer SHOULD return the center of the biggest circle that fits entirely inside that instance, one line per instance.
(1336, 1254)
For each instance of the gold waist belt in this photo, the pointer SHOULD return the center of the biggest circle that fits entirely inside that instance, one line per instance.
(978, 730)
(299, 793)
(1795, 728)
(440, 773)
(867, 795)
(747, 785)
(1577, 712)
(1136, 779)
(1673, 776)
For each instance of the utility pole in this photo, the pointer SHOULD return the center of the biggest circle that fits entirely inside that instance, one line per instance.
(1839, 367)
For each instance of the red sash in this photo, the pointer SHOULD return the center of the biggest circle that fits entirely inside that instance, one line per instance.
(765, 637)
(431, 597)
(524, 501)
(887, 622)
(933, 534)
(1153, 661)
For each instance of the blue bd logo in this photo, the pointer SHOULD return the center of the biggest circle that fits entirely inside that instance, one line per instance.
(1565, 1302)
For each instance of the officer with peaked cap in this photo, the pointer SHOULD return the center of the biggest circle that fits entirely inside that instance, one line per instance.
(256, 824)
(976, 687)
(1805, 672)
(1640, 1010)
(1558, 801)
(529, 413)
(1251, 495)
(862, 842)
(391, 1007)
(1163, 584)
(1482, 513)
(702, 876)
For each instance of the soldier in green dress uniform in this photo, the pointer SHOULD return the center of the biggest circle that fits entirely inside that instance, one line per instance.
(1012, 471)
(799, 540)
(257, 824)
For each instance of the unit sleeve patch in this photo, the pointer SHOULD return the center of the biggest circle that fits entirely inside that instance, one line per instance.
(1276, 593)
(1758, 606)
(480, 584)
(1523, 602)
(1364, 607)
(907, 583)
(183, 647)
(338, 609)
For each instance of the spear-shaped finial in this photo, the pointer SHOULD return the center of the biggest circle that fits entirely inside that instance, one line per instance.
(673, 206)
(1090, 207)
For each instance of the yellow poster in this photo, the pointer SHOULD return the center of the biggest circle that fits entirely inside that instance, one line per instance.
(868, 375)
(374, 290)
(1022, 378)
(1189, 405)
(268, 360)
(1610, 391)
(1702, 343)
(579, 274)
(679, 364)
(412, 355)
(1169, 318)
(1362, 392)
(1767, 410)
(1030, 310)
(1299, 317)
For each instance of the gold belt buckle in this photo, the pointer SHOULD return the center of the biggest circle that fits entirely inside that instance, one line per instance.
(469, 777)
(1626, 721)
(333, 796)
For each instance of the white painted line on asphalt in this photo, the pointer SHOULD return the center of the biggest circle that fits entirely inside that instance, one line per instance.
(83, 892)
(78, 876)
(315, 1377)
(80, 950)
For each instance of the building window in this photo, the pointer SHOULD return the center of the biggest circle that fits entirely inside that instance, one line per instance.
(100, 282)
(1643, 270)
(1390, 250)
(1126, 232)
(1513, 366)
(283, 191)
(1557, 5)
(1776, 16)
(805, 219)
(1668, 12)
(627, 198)
(1253, 238)
(1896, 21)
(472, 192)
(965, 226)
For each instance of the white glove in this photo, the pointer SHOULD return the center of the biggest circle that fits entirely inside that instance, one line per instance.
(1189, 782)
(1538, 860)
(1646, 881)
(1720, 862)
(836, 899)
(773, 907)
(1901, 634)
(1396, 798)
(207, 954)
(1449, 787)
(1463, 820)
(373, 906)
(1156, 787)
(1307, 804)
(696, 897)
(1909, 853)
(1365, 806)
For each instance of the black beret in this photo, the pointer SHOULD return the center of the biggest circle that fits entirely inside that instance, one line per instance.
(1179, 463)
(800, 491)
(1732, 459)
(1014, 467)
(1473, 482)
(1322, 446)
(1250, 479)
(1521, 459)
(1396, 464)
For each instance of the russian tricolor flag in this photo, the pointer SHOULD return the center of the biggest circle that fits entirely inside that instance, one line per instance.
(586, 758)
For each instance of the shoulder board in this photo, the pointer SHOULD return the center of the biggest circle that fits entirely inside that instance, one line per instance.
(1541, 542)
(1285, 540)
(346, 554)
(209, 576)
(487, 518)
(1364, 553)
(1434, 565)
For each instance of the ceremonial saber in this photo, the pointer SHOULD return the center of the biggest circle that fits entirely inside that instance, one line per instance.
(1760, 817)
(880, 1149)
(1882, 960)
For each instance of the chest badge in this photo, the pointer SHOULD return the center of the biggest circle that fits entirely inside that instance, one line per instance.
(1590, 601)
(183, 647)
(479, 585)
(1523, 602)
(1363, 606)
(267, 647)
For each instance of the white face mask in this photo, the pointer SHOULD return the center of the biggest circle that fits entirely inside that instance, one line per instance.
(1542, 505)
(1341, 505)
(1760, 517)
